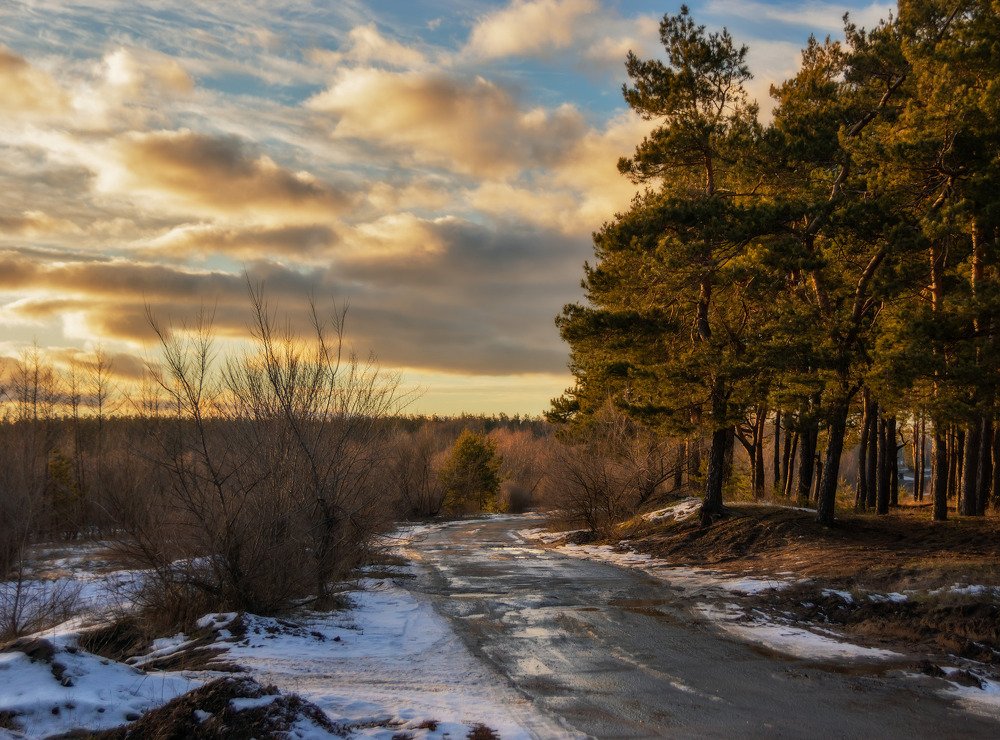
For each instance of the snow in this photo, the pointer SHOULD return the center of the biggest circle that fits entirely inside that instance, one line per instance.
(387, 665)
(983, 701)
(894, 597)
(794, 641)
(960, 589)
(713, 585)
(245, 703)
(215, 620)
(687, 578)
(845, 595)
(94, 693)
(545, 536)
(678, 512)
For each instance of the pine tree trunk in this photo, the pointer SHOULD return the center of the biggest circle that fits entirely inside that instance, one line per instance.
(893, 461)
(790, 467)
(872, 464)
(882, 495)
(679, 470)
(807, 460)
(758, 473)
(712, 507)
(827, 499)
(954, 452)
(861, 490)
(920, 476)
(996, 471)
(939, 470)
(959, 460)
(786, 454)
(776, 461)
(985, 474)
(970, 470)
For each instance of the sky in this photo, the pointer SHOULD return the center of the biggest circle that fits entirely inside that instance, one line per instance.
(436, 166)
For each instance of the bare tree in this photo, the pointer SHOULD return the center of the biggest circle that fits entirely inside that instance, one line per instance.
(268, 471)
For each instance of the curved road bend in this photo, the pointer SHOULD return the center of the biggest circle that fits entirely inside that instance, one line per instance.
(613, 653)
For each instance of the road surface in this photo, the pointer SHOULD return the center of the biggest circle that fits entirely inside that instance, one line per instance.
(611, 652)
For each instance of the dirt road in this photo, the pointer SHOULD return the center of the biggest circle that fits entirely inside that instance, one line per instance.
(613, 653)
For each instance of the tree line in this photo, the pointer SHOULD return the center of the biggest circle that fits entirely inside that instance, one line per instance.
(825, 278)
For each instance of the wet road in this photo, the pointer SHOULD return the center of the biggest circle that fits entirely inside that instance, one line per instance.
(613, 653)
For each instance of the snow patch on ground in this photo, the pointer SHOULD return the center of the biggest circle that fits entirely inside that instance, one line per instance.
(709, 584)
(385, 666)
(678, 512)
(686, 578)
(961, 589)
(801, 643)
(895, 598)
(75, 689)
(985, 700)
(845, 595)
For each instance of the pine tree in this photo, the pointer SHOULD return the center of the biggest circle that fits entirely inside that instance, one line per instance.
(471, 475)
(671, 296)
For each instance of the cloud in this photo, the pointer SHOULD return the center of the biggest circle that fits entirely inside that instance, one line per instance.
(365, 45)
(249, 242)
(134, 72)
(441, 294)
(591, 167)
(469, 126)
(538, 205)
(528, 28)
(35, 223)
(395, 235)
(581, 31)
(26, 90)
(217, 174)
(826, 17)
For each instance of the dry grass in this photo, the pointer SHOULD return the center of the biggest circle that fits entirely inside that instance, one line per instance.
(904, 549)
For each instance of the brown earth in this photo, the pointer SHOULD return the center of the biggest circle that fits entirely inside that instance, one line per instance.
(865, 556)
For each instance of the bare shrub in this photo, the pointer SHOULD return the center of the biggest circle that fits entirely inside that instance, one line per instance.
(264, 482)
(526, 458)
(610, 472)
(28, 605)
(413, 468)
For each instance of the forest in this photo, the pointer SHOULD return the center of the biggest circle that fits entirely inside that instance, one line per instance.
(823, 282)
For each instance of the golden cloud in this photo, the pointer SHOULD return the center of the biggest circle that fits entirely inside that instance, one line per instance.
(474, 127)
(251, 242)
(149, 75)
(219, 175)
(26, 90)
(528, 27)
(366, 45)
(35, 223)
